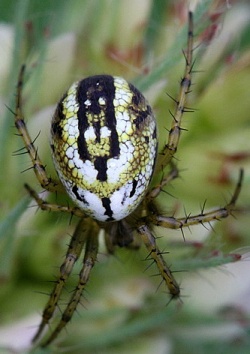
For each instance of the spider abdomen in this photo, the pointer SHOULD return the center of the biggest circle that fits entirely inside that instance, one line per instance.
(104, 144)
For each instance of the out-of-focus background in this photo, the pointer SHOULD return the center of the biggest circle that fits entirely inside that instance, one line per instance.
(125, 308)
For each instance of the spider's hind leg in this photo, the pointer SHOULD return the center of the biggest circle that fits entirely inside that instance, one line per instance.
(172, 140)
(166, 179)
(44, 205)
(39, 168)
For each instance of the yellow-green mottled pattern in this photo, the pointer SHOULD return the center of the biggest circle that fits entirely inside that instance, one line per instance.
(104, 145)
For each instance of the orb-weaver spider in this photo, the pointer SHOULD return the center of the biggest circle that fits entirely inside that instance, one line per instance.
(104, 145)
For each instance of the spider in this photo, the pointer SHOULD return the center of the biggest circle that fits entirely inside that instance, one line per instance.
(104, 147)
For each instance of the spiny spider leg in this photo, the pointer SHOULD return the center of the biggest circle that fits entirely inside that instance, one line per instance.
(88, 263)
(217, 214)
(43, 205)
(174, 135)
(39, 168)
(155, 191)
(164, 159)
(149, 240)
(76, 245)
(178, 223)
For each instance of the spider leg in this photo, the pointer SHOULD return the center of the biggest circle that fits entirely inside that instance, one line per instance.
(165, 158)
(178, 223)
(43, 205)
(39, 168)
(217, 214)
(149, 241)
(170, 148)
(91, 239)
(78, 240)
(167, 178)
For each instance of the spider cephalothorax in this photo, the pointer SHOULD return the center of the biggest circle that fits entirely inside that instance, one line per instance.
(104, 146)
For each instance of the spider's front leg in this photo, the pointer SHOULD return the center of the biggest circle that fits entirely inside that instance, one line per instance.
(85, 234)
(178, 223)
(90, 256)
(149, 241)
(45, 181)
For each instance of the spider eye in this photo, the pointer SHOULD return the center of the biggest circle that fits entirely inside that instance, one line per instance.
(104, 145)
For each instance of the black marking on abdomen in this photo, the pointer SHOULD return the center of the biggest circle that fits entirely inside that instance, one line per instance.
(56, 128)
(106, 204)
(91, 90)
(100, 164)
(134, 184)
(80, 197)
